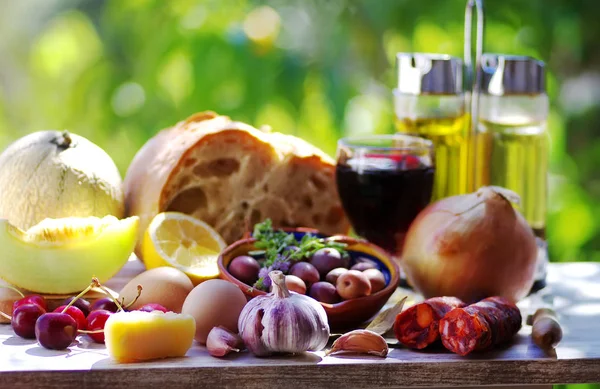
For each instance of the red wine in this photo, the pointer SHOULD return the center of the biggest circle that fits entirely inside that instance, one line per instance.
(381, 203)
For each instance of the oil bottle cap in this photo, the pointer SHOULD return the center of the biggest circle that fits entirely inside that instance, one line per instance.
(425, 73)
(512, 75)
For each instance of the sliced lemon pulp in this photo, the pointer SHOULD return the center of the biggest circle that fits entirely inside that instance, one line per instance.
(184, 242)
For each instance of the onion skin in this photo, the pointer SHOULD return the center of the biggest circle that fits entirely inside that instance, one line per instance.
(471, 246)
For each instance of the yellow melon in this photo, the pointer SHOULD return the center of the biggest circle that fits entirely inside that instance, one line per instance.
(62, 255)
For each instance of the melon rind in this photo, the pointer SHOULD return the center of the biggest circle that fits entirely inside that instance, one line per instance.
(39, 180)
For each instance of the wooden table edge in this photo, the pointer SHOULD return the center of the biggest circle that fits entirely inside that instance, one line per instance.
(380, 375)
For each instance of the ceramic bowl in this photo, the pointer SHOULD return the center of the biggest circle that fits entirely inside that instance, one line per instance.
(345, 314)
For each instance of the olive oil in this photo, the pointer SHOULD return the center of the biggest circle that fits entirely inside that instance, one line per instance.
(512, 142)
(452, 146)
(429, 102)
(515, 156)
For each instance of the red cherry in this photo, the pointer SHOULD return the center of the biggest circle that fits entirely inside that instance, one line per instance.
(24, 318)
(76, 314)
(105, 303)
(55, 331)
(31, 299)
(153, 307)
(80, 303)
(95, 321)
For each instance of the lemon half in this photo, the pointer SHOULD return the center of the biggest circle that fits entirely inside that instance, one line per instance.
(184, 242)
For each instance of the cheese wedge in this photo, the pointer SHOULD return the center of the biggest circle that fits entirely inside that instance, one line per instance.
(140, 336)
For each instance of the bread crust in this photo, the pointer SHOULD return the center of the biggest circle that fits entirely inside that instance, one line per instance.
(232, 175)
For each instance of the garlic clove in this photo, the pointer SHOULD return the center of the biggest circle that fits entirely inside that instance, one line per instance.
(360, 342)
(221, 341)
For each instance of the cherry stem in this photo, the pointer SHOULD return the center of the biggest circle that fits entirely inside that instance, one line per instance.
(139, 292)
(91, 332)
(6, 315)
(13, 288)
(116, 301)
(83, 292)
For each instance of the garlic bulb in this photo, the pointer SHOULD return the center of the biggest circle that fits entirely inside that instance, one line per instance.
(282, 322)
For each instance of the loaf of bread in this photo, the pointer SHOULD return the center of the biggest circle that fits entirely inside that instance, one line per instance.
(232, 176)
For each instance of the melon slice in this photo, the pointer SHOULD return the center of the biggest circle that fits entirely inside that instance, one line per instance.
(62, 255)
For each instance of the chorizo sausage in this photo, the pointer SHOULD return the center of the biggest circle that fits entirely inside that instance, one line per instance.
(480, 326)
(417, 326)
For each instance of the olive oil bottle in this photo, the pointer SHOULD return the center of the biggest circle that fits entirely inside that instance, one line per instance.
(429, 102)
(512, 142)
(452, 147)
(515, 156)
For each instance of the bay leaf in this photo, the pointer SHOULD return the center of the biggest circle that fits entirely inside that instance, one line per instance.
(385, 320)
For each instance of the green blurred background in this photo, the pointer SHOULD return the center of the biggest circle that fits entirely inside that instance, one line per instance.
(118, 71)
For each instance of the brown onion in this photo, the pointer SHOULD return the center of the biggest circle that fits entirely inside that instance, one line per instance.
(471, 246)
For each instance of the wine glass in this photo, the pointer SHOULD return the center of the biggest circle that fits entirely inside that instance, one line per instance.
(384, 181)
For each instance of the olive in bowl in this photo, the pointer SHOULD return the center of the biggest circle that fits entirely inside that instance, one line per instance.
(341, 313)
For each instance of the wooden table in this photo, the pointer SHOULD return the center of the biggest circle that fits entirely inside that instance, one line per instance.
(574, 291)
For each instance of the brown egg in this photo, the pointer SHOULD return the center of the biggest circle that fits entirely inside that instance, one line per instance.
(214, 303)
(166, 286)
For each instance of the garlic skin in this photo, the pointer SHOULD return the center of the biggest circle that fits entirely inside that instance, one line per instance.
(221, 341)
(283, 322)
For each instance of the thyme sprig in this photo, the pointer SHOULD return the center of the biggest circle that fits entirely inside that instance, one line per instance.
(281, 249)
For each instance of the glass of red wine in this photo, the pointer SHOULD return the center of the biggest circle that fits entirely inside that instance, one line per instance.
(384, 181)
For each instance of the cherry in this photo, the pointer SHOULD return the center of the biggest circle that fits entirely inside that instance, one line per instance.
(31, 299)
(106, 304)
(24, 318)
(153, 307)
(76, 314)
(55, 330)
(80, 303)
(95, 322)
